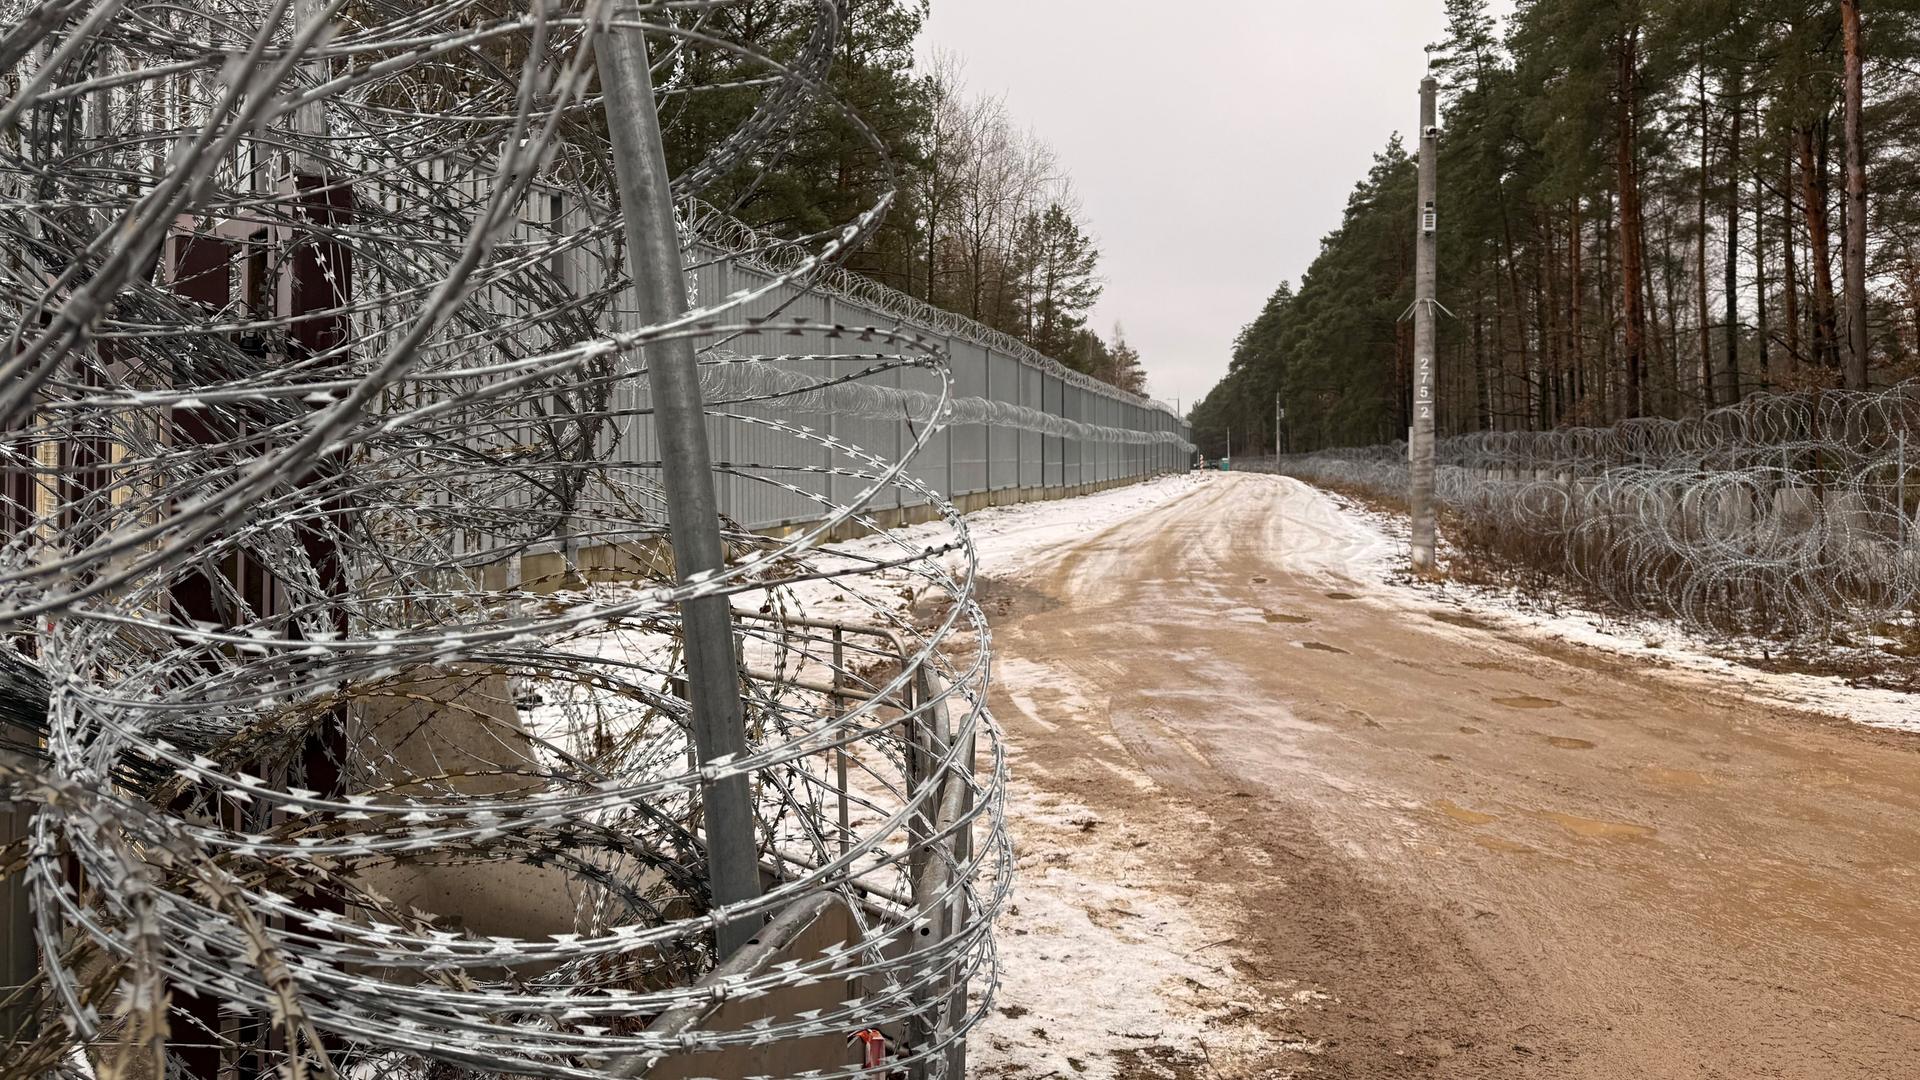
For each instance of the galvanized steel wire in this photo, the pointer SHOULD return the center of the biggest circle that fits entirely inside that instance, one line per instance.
(1785, 515)
(333, 776)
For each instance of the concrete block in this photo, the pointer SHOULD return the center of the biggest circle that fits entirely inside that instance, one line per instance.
(452, 729)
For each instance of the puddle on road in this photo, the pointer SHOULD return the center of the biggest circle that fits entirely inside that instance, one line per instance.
(1341, 596)
(1527, 701)
(1464, 815)
(1594, 829)
(1318, 647)
(1562, 742)
(1452, 618)
(1465, 730)
(1259, 581)
(1491, 665)
(1678, 777)
(1290, 620)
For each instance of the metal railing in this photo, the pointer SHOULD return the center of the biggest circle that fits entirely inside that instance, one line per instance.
(942, 905)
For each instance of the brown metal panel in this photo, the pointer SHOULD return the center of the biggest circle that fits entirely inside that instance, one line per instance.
(320, 270)
(199, 268)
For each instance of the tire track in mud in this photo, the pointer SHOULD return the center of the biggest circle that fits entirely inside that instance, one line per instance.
(1492, 856)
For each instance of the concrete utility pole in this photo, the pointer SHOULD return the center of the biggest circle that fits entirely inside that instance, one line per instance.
(653, 252)
(1420, 452)
(1279, 414)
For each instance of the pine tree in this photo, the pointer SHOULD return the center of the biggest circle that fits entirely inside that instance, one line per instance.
(1647, 202)
(1060, 279)
(828, 169)
(1126, 371)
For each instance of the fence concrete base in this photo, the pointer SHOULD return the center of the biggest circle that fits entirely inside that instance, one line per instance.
(546, 572)
(461, 721)
(903, 516)
(831, 928)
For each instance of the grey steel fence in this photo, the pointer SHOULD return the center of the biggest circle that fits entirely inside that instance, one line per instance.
(1045, 429)
(315, 791)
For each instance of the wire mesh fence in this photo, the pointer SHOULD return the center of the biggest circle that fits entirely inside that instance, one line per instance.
(346, 717)
(1785, 515)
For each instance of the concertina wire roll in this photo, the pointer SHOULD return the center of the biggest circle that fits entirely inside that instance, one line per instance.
(1786, 515)
(342, 749)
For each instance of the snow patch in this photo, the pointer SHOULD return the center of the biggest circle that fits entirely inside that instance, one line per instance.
(1364, 545)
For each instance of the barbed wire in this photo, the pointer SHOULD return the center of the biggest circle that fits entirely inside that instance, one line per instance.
(762, 249)
(1785, 515)
(346, 687)
(730, 377)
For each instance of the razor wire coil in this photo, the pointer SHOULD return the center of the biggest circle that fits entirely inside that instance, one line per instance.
(1786, 515)
(346, 685)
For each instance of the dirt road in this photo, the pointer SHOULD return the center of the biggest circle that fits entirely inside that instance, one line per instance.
(1472, 852)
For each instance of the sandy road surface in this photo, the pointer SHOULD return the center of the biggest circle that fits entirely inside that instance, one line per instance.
(1459, 852)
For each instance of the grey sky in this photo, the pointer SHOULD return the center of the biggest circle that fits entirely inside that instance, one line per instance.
(1213, 142)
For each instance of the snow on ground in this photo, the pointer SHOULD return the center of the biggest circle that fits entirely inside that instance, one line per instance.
(1089, 913)
(1085, 904)
(1004, 537)
(1114, 964)
(1084, 907)
(1371, 547)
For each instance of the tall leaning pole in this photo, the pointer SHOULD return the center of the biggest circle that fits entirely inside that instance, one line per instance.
(1426, 271)
(653, 257)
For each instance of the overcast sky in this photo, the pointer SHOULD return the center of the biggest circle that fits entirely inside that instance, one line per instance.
(1213, 142)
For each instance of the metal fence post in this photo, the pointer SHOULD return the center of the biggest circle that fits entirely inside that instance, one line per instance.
(986, 391)
(840, 752)
(653, 257)
(953, 430)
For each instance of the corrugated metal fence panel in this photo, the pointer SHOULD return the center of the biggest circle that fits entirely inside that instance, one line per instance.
(816, 457)
(877, 437)
(1004, 383)
(769, 460)
(1071, 449)
(930, 466)
(1032, 468)
(1098, 453)
(969, 441)
(1110, 410)
(1129, 452)
(1053, 448)
(1102, 451)
(1116, 452)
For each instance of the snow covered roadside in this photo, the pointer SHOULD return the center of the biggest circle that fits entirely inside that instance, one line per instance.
(1370, 548)
(1111, 970)
(1088, 912)
(1003, 537)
